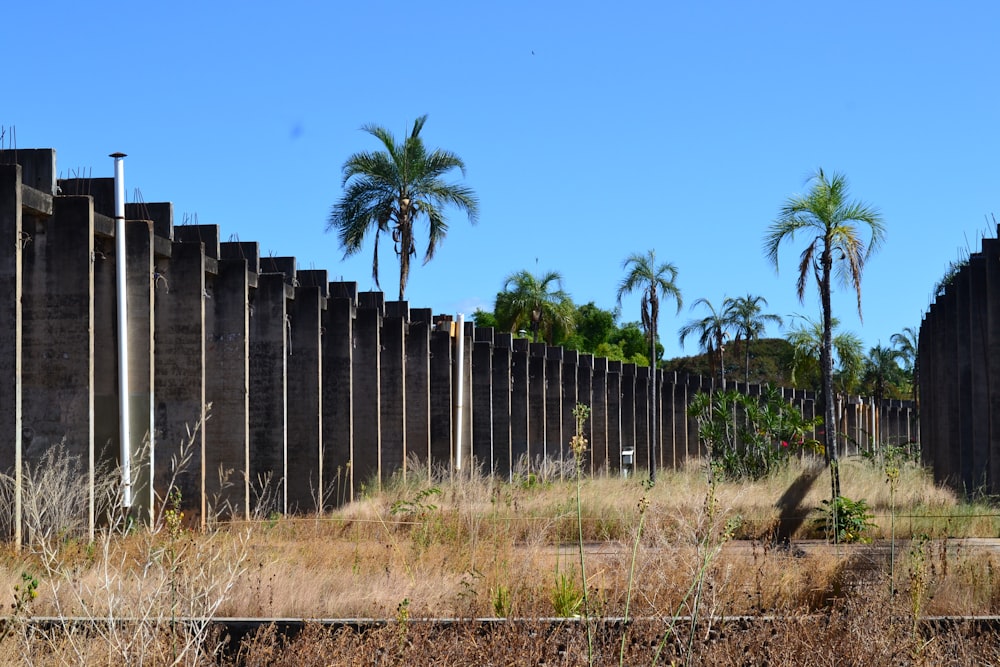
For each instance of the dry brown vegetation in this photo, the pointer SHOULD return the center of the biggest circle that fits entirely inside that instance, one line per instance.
(472, 548)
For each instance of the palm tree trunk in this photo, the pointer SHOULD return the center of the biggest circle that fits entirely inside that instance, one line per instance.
(405, 244)
(829, 418)
(746, 351)
(722, 360)
(653, 442)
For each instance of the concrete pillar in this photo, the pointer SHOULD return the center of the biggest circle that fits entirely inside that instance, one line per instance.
(809, 410)
(662, 447)
(160, 214)
(570, 399)
(418, 389)
(179, 375)
(268, 395)
(227, 388)
(501, 383)
(991, 298)
(106, 413)
(139, 247)
(629, 408)
(307, 489)
(537, 443)
(441, 397)
(599, 417)
(482, 398)
(687, 428)
(208, 235)
(644, 448)
(614, 416)
(963, 370)
(927, 352)
(519, 440)
(13, 239)
(367, 395)
(468, 412)
(338, 404)
(668, 420)
(392, 371)
(585, 395)
(285, 265)
(57, 311)
(950, 460)
(100, 190)
(555, 440)
(979, 382)
(38, 169)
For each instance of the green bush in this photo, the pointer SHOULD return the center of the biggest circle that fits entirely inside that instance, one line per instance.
(845, 520)
(750, 437)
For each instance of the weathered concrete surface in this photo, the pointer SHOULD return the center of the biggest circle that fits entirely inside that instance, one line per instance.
(366, 389)
(418, 389)
(179, 381)
(139, 248)
(392, 397)
(441, 396)
(338, 411)
(268, 395)
(306, 486)
(11, 334)
(500, 384)
(10, 316)
(555, 440)
(599, 417)
(537, 441)
(227, 376)
(58, 345)
(519, 429)
(482, 398)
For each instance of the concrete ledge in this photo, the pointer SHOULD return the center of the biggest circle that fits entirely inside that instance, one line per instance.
(36, 201)
(104, 226)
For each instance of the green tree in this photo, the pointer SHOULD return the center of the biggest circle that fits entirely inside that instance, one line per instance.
(907, 343)
(593, 326)
(837, 247)
(632, 340)
(653, 280)
(537, 304)
(807, 354)
(388, 191)
(712, 331)
(749, 321)
(882, 373)
(484, 319)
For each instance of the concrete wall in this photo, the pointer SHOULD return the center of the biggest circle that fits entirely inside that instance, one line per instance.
(262, 388)
(959, 369)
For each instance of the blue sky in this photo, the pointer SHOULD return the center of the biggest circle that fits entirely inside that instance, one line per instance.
(590, 131)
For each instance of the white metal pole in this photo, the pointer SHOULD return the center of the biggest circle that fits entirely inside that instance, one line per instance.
(123, 387)
(459, 390)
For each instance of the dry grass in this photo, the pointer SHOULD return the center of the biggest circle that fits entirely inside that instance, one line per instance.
(479, 547)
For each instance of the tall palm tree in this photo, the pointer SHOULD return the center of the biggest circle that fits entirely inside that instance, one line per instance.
(749, 321)
(835, 224)
(906, 343)
(653, 280)
(535, 303)
(388, 191)
(712, 331)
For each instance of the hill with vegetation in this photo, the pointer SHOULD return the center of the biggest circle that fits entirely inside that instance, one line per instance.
(770, 363)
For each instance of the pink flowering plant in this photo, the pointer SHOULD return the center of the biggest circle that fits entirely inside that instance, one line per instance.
(750, 437)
